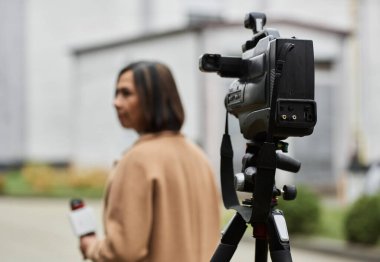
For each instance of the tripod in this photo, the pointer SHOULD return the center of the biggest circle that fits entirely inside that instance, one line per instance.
(259, 166)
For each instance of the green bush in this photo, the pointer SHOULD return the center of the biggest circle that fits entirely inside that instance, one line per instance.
(362, 223)
(44, 180)
(302, 215)
(2, 183)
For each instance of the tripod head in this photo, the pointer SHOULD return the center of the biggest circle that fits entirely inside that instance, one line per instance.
(245, 181)
(257, 176)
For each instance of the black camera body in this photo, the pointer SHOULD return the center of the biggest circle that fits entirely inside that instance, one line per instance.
(274, 92)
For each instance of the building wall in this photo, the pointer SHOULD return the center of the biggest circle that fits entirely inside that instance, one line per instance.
(52, 28)
(98, 138)
(12, 82)
(368, 64)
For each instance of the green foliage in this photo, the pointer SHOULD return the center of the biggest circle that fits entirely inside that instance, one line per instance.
(2, 183)
(43, 180)
(302, 214)
(362, 224)
(332, 221)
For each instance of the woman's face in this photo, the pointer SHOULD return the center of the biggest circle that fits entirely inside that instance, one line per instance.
(127, 103)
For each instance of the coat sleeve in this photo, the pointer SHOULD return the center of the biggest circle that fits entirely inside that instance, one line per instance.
(128, 215)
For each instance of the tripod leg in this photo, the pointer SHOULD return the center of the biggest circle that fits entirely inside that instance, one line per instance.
(230, 239)
(261, 252)
(261, 236)
(279, 245)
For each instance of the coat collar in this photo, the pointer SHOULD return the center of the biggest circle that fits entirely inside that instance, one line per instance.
(151, 136)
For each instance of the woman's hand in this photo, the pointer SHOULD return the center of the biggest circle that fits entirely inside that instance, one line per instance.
(86, 242)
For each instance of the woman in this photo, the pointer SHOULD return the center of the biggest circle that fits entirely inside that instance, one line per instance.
(161, 203)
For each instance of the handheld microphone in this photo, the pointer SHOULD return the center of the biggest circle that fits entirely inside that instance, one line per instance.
(82, 218)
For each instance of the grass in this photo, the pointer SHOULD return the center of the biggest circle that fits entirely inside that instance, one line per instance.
(42, 182)
(330, 225)
(332, 221)
(227, 216)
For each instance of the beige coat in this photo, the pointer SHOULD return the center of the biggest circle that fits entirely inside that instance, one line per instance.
(161, 205)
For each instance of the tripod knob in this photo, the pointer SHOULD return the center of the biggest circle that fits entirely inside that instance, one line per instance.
(239, 181)
(290, 192)
(244, 181)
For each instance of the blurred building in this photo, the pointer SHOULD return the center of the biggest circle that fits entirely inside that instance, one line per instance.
(59, 61)
(12, 83)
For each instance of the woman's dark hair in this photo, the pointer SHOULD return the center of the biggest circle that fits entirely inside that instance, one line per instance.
(158, 95)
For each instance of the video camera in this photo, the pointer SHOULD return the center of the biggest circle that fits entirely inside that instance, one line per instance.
(274, 92)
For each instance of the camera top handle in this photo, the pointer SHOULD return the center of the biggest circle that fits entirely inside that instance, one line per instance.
(255, 21)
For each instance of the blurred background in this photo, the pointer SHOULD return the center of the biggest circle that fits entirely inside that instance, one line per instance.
(59, 134)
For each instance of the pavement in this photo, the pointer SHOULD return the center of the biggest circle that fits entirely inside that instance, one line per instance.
(37, 229)
(313, 249)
